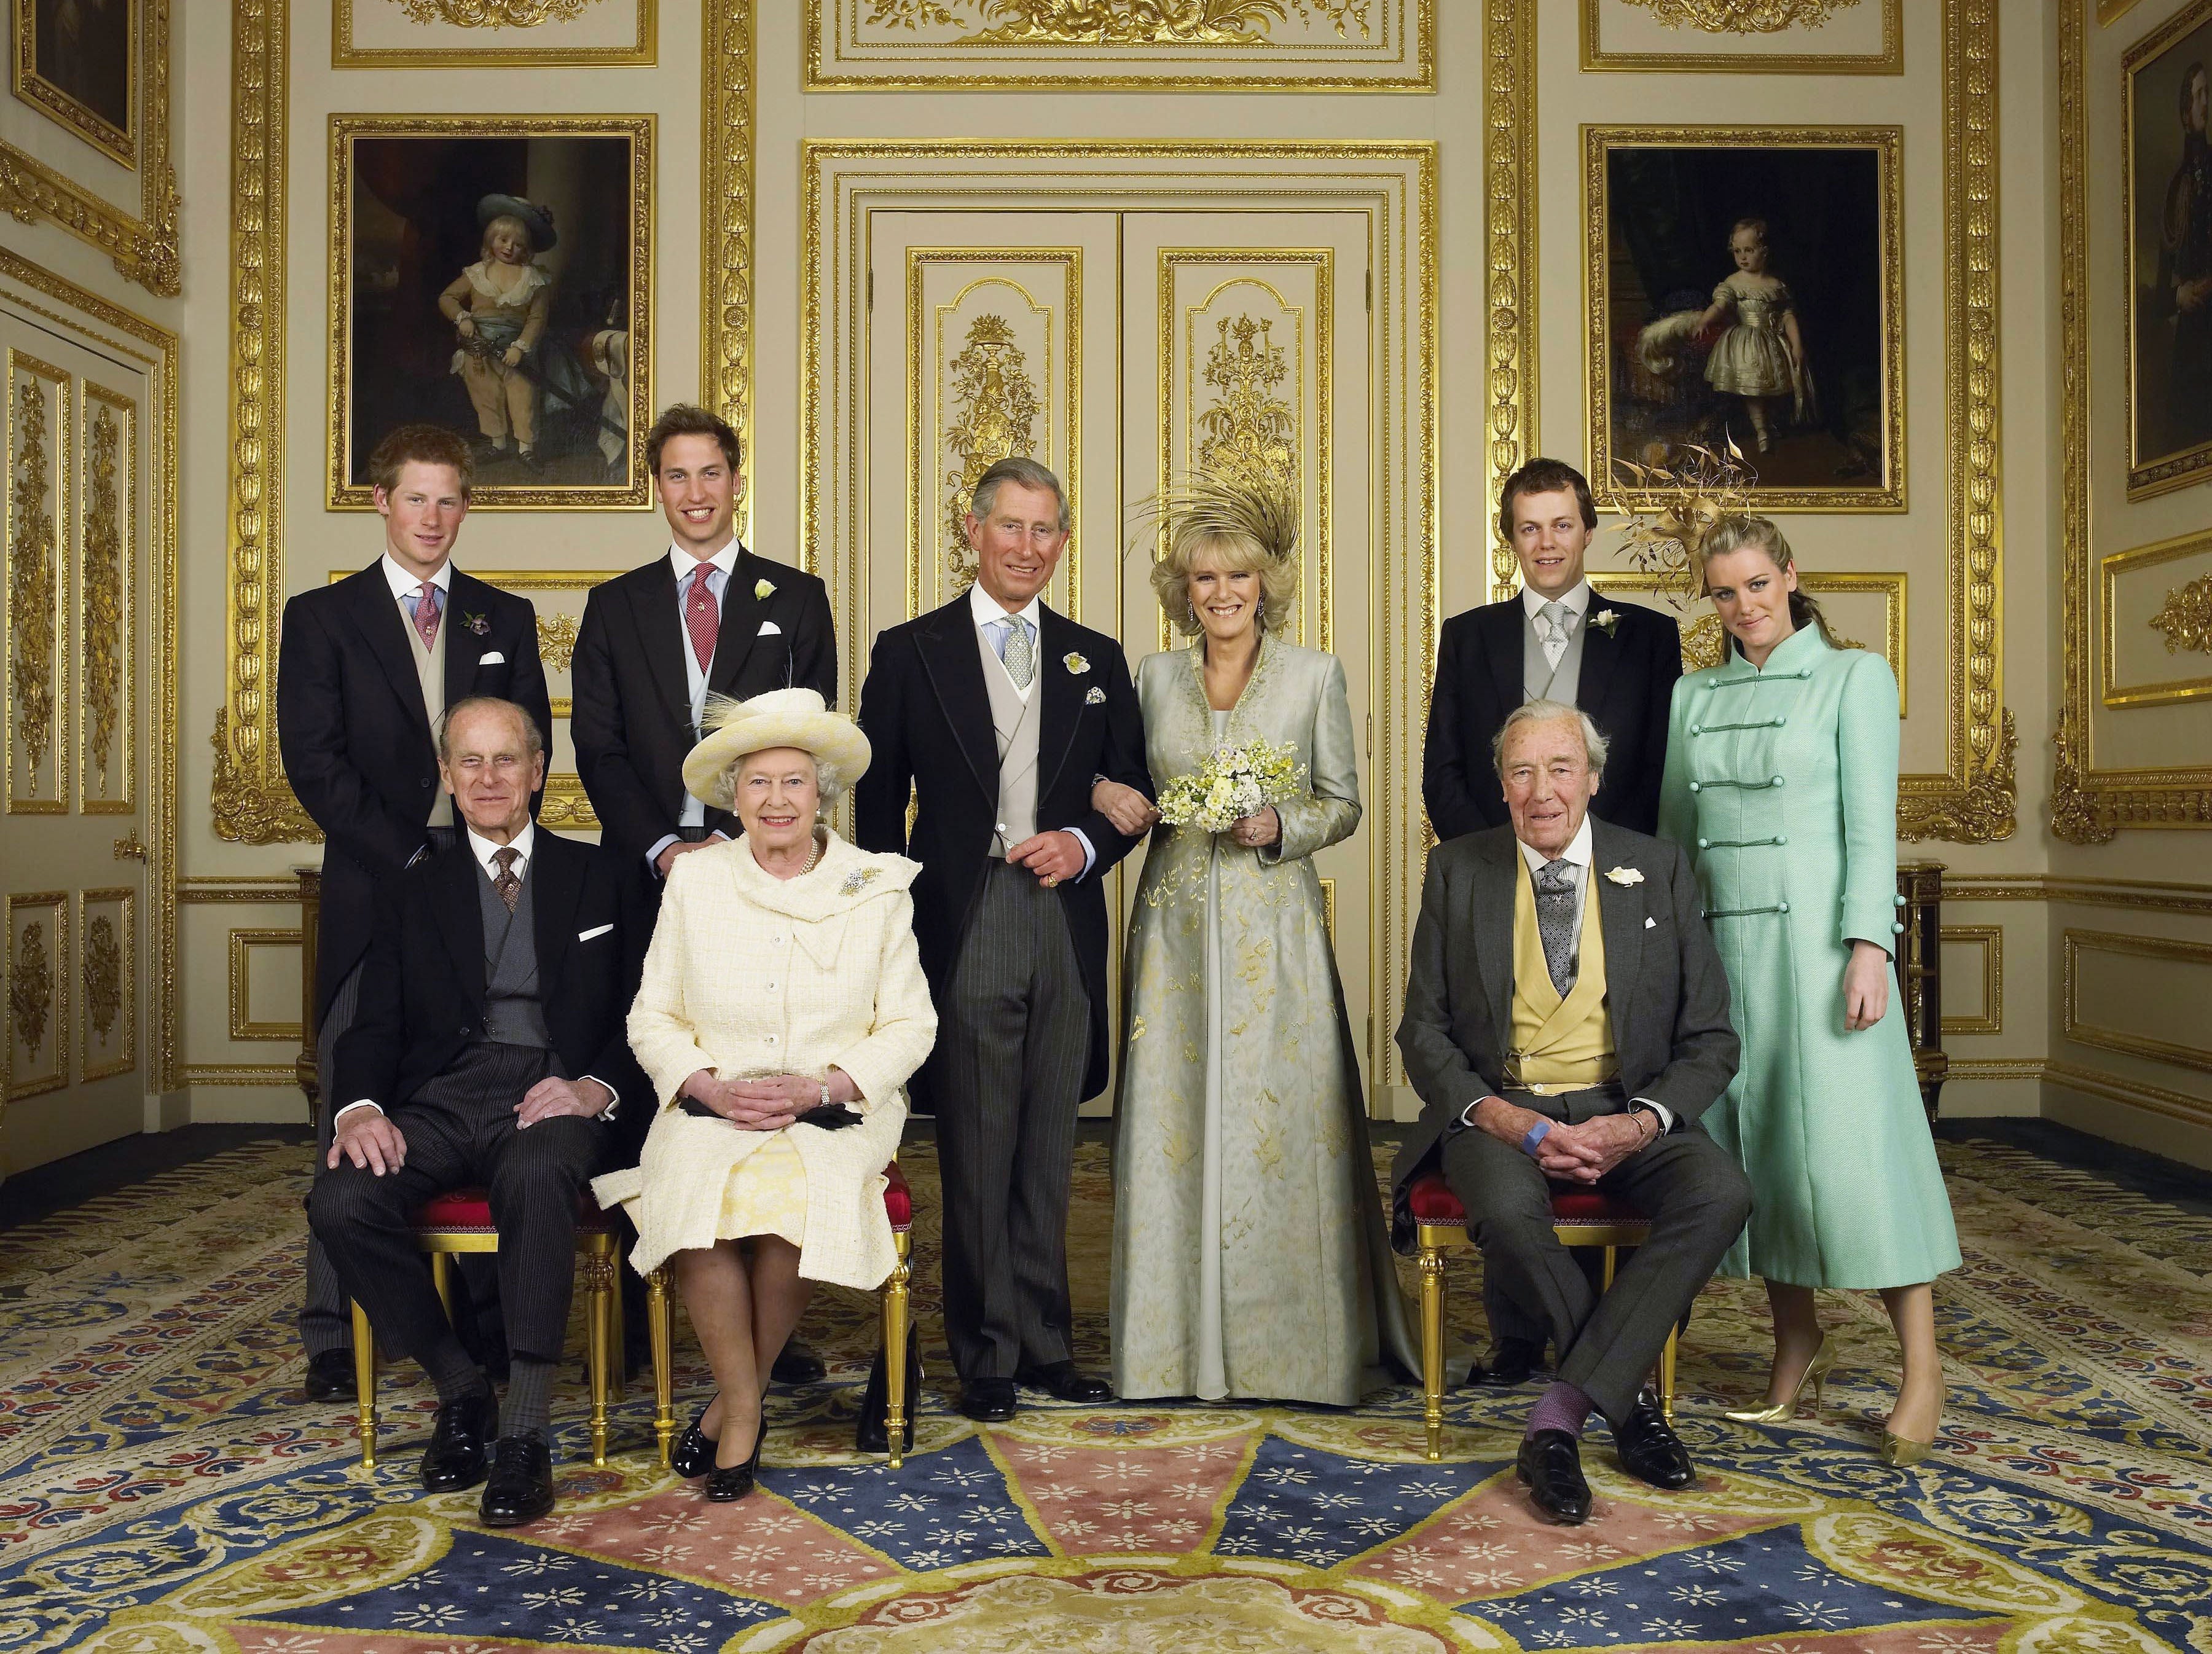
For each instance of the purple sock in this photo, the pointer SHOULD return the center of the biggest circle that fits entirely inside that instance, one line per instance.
(1561, 1408)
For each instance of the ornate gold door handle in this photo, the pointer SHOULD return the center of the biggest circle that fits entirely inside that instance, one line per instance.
(128, 849)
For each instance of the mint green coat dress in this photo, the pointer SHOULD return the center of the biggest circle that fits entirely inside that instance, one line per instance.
(1781, 783)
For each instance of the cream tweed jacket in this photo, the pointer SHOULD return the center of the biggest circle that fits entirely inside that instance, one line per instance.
(751, 975)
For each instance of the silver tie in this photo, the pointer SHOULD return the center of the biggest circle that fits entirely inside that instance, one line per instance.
(1021, 655)
(1555, 922)
(1555, 631)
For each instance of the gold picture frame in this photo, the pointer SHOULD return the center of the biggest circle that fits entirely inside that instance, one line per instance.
(642, 53)
(2184, 609)
(1889, 60)
(412, 325)
(2157, 75)
(1746, 173)
(142, 244)
(68, 78)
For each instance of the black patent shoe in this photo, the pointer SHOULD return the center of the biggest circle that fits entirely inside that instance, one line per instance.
(728, 1483)
(455, 1457)
(988, 1401)
(330, 1376)
(1512, 1361)
(1650, 1452)
(1551, 1464)
(693, 1456)
(872, 1433)
(1065, 1382)
(797, 1364)
(521, 1486)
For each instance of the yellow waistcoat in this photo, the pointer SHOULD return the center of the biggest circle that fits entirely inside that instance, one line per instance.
(1559, 1044)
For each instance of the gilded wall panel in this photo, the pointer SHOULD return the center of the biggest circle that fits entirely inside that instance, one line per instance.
(492, 33)
(257, 955)
(2131, 750)
(38, 516)
(105, 177)
(38, 993)
(995, 364)
(2140, 995)
(1376, 46)
(1745, 37)
(105, 600)
(1973, 974)
(107, 974)
(1248, 352)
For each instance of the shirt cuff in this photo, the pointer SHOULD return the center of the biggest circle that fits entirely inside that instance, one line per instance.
(1660, 1111)
(614, 1097)
(652, 855)
(1089, 856)
(1465, 1120)
(358, 1102)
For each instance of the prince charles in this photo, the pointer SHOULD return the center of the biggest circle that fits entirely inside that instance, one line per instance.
(1566, 1022)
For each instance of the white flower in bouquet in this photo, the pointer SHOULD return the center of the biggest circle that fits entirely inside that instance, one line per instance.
(1233, 782)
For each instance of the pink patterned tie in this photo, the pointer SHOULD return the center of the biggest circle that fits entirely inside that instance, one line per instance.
(426, 616)
(702, 616)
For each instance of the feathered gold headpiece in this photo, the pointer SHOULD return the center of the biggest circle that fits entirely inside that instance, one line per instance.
(1208, 502)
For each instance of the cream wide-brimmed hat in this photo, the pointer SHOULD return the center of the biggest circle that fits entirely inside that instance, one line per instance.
(788, 717)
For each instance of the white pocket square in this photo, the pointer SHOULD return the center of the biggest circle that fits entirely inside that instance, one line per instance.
(769, 628)
(596, 930)
(1650, 924)
(491, 657)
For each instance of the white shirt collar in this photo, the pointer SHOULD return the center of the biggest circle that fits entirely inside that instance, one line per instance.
(986, 609)
(1576, 598)
(405, 585)
(683, 562)
(1577, 851)
(482, 848)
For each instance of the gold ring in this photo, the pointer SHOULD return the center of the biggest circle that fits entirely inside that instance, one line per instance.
(1051, 879)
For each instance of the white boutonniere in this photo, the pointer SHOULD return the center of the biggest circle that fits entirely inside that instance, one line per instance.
(1605, 620)
(1075, 663)
(1623, 875)
(764, 589)
(1096, 699)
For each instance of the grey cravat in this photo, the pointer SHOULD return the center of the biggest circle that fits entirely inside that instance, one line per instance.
(1020, 655)
(1555, 922)
(1555, 622)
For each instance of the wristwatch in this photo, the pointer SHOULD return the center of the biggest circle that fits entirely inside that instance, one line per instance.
(1638, 1105)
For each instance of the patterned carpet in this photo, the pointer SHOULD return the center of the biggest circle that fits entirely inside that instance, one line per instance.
(163, 1491)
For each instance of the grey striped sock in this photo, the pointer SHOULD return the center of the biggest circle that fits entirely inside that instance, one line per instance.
(529, 1403)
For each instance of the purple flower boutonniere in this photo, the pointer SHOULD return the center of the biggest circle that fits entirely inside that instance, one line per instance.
(477, 625)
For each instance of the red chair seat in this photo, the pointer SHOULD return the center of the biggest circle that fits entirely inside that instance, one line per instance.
(1432, 1201)
(898, 1199)
(470, 1209)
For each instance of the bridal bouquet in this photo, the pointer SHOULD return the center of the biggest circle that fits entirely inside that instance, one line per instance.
(1234, 782)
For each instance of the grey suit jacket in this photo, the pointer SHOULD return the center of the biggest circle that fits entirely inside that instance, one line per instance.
(1665, 988)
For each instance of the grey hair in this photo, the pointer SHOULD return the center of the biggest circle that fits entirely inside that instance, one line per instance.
(1545, 712)
(1024, 472)
(829, 781)
(534, 739)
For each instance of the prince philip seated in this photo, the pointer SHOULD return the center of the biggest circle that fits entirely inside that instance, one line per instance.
(1566, 1022)
(490, 1049)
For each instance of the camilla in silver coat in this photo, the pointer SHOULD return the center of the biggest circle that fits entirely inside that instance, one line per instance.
(1249, 1257)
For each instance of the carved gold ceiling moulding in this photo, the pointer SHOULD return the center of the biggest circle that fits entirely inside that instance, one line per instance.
(2089, 806)
(129, 337)
(1750, 20)
(144, 246)
(503, 28)
(252, 802)
(494, 14)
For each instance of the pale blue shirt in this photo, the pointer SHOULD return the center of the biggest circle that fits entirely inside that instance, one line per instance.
(719, 569)
(997, 622)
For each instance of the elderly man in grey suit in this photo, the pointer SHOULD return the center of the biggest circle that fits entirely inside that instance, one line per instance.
(1566, 1022)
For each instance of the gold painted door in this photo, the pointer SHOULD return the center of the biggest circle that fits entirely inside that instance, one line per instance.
(1117, 348)
(73, 833)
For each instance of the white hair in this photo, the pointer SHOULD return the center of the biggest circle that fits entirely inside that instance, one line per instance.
(1545, 712)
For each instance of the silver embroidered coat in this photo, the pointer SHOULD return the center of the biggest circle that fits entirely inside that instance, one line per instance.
(1302, 1267)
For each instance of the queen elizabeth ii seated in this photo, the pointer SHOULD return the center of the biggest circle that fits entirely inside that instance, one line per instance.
(782, 996)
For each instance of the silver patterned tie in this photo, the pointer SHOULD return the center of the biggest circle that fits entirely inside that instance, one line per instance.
(1555, 922)
(1555, 631)
(1021, 655)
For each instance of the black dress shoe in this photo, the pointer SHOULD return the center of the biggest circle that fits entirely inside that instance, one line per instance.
(1552, 1464)
(455, 1457)
(1065, 1382)
(798, 1364)
(872, 1433)
(1650, 1449)
(1511, 1362)
(988, 1400)
(693, 1454)
(728, 1483)
(521, 1486)
(330, 1376)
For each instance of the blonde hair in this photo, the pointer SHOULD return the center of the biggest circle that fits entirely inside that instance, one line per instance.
(1244, 525)
(1279, 580)
(483, 241)
(1742, 532)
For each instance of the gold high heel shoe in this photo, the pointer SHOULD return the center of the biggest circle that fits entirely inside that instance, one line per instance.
(1903, 1449)
(1815, 1374)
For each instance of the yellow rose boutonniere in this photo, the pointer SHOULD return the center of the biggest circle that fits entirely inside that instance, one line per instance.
(1074, 662)
(764, 589)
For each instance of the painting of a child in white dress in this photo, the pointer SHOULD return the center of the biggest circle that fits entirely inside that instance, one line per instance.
(1746, 300)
